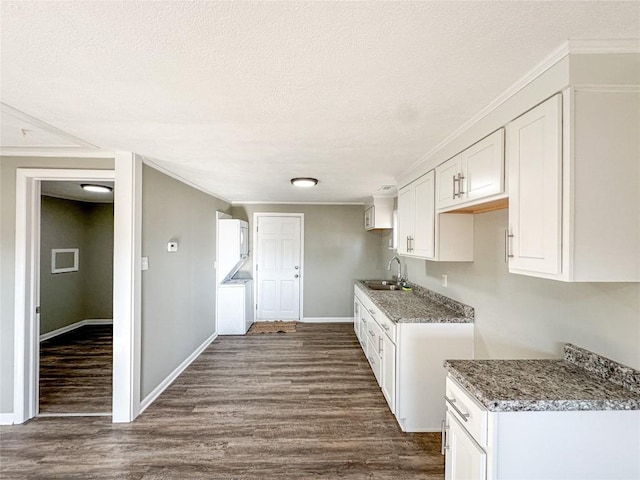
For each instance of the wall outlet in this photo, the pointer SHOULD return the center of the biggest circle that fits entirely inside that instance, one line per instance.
(145, 263)
(172, 247)
(444, 280)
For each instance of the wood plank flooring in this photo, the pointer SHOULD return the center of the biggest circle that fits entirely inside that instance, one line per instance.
(76, 371)
(282, 406)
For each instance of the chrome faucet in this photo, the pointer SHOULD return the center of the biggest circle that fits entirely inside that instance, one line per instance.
(395, 257)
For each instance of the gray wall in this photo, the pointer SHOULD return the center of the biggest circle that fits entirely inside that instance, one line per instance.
(8, 167)
(526, 317)
(337, 250)
(99, 261)
(178, 290)
(67, 298)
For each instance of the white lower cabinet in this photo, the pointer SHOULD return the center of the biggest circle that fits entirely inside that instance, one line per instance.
(407, 358)
(388, 377)
(537, 445)
(465, 459)
(357, 307)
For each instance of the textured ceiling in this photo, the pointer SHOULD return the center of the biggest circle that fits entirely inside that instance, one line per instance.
(238, 97)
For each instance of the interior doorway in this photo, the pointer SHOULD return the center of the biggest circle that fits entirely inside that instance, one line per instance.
(127, 176)
(76, 298)
(278, 265)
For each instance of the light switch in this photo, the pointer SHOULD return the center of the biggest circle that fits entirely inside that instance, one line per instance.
(172, 247)
(145, 263)
(444, 280)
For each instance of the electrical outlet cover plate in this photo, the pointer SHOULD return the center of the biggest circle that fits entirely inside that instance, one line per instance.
(172, 247)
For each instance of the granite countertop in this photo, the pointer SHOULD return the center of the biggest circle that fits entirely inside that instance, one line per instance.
(582, 380)
(418, 306)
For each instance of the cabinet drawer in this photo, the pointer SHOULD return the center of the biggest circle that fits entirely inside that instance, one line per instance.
(387, 326)
(374, 334)
(467, 411)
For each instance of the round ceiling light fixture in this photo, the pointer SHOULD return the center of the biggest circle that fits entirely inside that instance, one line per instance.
(90, 187)
(304, 182)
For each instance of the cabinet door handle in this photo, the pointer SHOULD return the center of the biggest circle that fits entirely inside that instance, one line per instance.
(443, 432)
(385, 326)
(380, 345)
(364, 320)
(460, 189)
(507, 246)
(451, 401)
(372, 312)
(372, 334)
(454, 187)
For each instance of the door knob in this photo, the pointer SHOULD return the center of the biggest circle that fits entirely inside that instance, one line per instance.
(296, 275)
(296, 267)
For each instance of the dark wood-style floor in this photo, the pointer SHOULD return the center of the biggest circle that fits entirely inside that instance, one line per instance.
(76, 371)
(282, 406)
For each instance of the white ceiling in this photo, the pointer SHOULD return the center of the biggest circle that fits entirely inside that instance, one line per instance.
(238, 97)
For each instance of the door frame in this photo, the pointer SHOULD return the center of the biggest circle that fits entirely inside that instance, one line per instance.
(127, 175)
(256, 215)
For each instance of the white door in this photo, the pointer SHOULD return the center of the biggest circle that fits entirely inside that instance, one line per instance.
(534, 155)
(278, 267)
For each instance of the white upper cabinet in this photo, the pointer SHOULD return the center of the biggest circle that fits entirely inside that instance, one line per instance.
(380, 214)
(474, 176)
(416, 218)
(574, 187)
(423, 233)
(448, 177)
(535, 194)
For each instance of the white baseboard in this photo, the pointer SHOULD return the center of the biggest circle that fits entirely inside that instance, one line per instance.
(73, 326)
(6, 418)
(149, 399)
(327, 320)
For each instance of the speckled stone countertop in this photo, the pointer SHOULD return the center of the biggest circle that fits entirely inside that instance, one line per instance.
(418, 306)
(583, 380)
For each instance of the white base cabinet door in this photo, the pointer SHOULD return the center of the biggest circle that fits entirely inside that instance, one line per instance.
(388, 375)
(464, 459)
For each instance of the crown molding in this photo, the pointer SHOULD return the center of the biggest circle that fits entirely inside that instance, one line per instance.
(157, 166)
(569, 47)
(617, 45)
(26, 118)
(55, 152)
(250, 202)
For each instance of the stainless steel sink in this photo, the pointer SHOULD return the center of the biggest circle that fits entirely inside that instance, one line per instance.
(382, 285)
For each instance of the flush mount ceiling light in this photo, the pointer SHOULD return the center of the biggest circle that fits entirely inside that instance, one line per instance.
(96, 188)
(304, 182)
